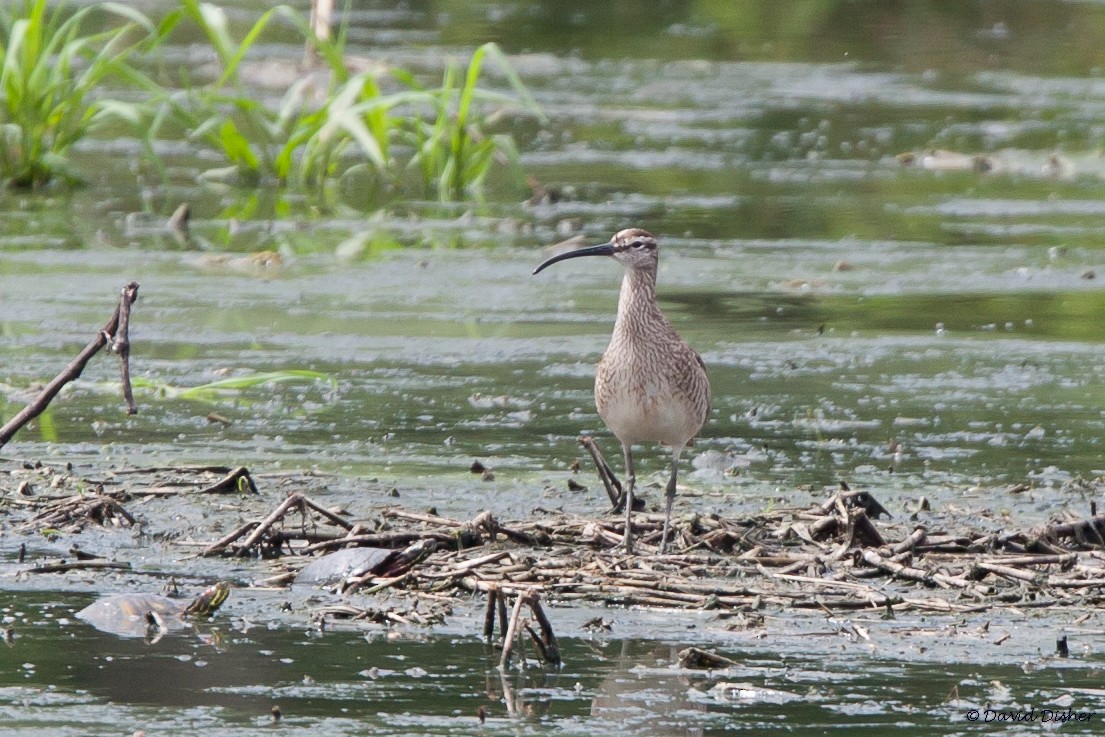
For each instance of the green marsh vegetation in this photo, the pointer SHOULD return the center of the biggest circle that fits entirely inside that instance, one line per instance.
(407, 138)
(51, 69)
(234, 388)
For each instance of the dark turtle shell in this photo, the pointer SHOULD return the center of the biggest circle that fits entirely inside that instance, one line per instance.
(343, 564)
(357, 562)
(136, 615)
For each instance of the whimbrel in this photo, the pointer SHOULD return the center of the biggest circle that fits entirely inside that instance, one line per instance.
(650, 386)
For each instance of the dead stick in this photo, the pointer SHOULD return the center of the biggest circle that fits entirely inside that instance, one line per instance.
(121, 344)
(1089, 528)
(915, 538)
(382, 540)
(500, 608)
(511, 632)
(221, 545)
(551, 648)
(914, 574)
(476, 562)
(1016, 574)
(1076, 582)
(606, 474)
(261, 527)
(840, 497)
(305, 503)
(489, 615)
(80, 565)
(337, 520)
(71, 372)
(1066, 559)
(542, 649)
(113, 505)
(866, 528)
(383, 583)
(293, 500)
(416, 517)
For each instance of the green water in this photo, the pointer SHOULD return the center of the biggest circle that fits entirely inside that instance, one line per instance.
(904, 329)
(229, 676)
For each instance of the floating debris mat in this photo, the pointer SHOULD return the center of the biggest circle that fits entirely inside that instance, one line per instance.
(841, 554)
(832, 556)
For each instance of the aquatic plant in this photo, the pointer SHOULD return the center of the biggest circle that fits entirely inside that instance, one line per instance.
(293, 142)
(453, 150)
(233, 386)
(49, 68)
(312, 136)
(327, 124)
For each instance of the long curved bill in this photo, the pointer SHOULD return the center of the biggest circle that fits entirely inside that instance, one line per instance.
(606, 249)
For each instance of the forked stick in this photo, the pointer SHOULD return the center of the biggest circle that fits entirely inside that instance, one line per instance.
(115, 333)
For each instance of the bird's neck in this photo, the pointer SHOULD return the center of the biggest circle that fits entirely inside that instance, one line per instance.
(637, 302)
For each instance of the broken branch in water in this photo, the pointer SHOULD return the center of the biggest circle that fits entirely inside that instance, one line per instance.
(120, 344)
(547, 646)
(511, 632)
(546, 643)
(606, 474)
(489, 614)
(115, 333)
(80, 565)
(73, 513)
(261, 532)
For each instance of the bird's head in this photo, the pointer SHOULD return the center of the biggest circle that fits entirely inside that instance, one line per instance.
(633, 247)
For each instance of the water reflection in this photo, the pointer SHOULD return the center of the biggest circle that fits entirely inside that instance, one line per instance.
(636, 695)
(404, 682)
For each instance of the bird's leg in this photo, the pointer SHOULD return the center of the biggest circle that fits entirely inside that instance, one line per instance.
(669, 498)
(630, 479)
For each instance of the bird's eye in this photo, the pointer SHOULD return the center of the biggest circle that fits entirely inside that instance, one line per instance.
(637, 244)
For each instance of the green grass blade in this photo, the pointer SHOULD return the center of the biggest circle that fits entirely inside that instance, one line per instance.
(252, 381)
(231, 71)
(231, 386)
(133, 15)
(237, 146)
(523, 94)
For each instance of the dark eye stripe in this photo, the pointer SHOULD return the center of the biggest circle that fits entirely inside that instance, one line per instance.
(647, 245)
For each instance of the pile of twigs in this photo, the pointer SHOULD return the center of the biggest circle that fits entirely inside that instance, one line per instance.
(837, 555)
(770, 563)
(832, 556)
(72, 514)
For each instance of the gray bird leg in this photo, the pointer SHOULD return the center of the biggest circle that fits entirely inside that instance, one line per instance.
(669, 499)
(630, 480)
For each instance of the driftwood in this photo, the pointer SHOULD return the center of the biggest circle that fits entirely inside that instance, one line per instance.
(548, 649)
(80, 565)
(383, 615)
(74, 513)
(831, 556)
(606, 474)
(792, 558)
(699, 659)
(116, 334)
(262, 538)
